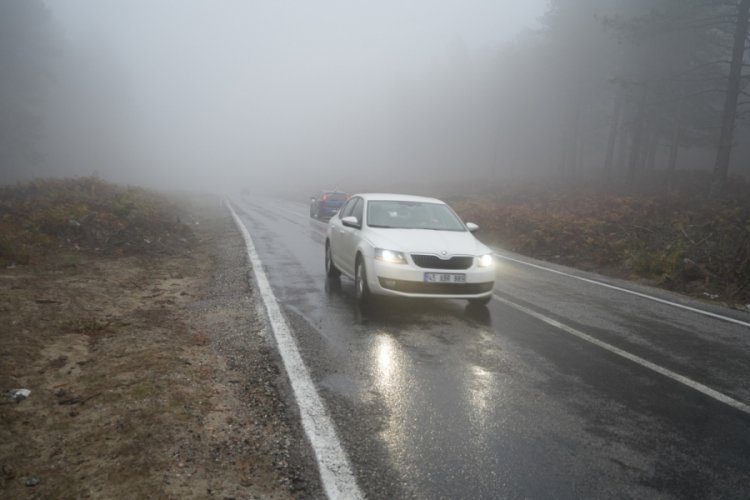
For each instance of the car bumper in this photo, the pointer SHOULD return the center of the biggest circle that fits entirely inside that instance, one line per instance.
(407, 280)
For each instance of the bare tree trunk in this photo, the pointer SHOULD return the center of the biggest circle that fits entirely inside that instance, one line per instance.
(569, 157)
(639, 137)
(614, 128)
(565, 145)
(724, 150)
(636, 146)
(674, 148)
(622, 152)
(575, 143)
(649, 141)
(622, 143)
(650, 156)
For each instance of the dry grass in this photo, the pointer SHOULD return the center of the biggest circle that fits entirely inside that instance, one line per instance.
(680, 240)
(129, 397)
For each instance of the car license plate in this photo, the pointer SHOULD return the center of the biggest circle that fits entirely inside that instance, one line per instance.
(444, 278)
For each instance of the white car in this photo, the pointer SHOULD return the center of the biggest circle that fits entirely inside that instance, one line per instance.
(408, 246)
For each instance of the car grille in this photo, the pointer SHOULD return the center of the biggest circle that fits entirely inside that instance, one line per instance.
(435, 262)
(435, 288)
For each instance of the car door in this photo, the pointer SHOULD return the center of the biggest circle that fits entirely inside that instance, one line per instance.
(350, 235)
(337, 235)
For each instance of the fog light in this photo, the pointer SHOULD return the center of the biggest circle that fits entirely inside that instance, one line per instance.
(389, 283)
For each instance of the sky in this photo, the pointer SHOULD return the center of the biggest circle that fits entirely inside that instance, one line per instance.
(227, 91)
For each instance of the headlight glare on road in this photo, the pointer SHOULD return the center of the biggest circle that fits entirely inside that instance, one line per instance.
(485, 260)
(390, 256)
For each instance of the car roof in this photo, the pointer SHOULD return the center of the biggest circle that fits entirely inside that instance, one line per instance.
(397, 197)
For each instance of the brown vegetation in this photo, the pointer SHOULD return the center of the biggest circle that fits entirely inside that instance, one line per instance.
(85, 216)
(140, 345)
(680, 240)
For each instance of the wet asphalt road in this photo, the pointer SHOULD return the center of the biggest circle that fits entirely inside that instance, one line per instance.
(434, 399)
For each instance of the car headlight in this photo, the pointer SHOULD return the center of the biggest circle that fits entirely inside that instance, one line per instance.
(485, 260)
(390, 256)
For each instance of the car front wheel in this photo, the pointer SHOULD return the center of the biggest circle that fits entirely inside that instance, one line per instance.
(331, 270)
(360, 283)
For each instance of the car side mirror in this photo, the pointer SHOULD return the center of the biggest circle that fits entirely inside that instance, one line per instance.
(351, 221)
(471, 227)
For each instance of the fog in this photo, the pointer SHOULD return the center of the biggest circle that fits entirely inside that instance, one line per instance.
(261, 93)
(425, 96)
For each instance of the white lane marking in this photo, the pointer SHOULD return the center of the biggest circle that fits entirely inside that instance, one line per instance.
(294, 213)
(620, 289)
(333, 464)
(600, 283)
(324, 224)
(718, 396)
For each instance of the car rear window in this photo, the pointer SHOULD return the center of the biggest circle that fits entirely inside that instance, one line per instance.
(337, 196)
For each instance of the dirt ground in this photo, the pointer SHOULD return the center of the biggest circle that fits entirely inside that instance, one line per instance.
(150, 377)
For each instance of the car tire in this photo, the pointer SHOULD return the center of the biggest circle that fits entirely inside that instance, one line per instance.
(481, 301)
(312, 211)
(331, 270)
(361, 290)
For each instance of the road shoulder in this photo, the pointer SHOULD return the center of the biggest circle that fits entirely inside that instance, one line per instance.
(148, 377)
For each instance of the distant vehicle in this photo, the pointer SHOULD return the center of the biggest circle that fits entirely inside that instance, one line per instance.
(326, 203)
(408, 246)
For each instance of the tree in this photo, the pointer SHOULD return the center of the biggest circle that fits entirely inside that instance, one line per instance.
(734, 88)
(28, 44)
(691, 60)
(579, 55)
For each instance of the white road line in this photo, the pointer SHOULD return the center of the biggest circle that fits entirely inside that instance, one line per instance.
(333, 464)
(301, 216)
(294, 213)
(323, 224)
(620, 289)
(600, 283)
(723, 398)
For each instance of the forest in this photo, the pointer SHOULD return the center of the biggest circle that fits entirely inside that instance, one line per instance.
(610, 134)
(598, 91)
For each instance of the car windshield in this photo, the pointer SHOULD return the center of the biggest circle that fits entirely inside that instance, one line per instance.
(412, 215)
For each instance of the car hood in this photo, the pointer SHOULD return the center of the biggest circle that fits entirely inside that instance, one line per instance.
(426, 241)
